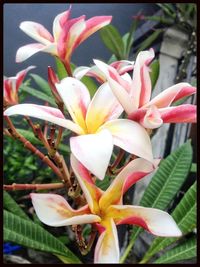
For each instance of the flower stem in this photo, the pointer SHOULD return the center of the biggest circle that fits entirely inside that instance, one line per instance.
(15, 186)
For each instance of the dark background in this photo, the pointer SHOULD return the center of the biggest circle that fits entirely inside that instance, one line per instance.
(44, 14)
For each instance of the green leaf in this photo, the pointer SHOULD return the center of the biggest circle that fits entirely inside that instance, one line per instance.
(185, 217)
(29, 136)
(90, 84)
(130, 38)
(165, 184)
(42, 83)
(148, 42)
(154, 73)
(193, 167)
(169, 178)
(10, 205)
(185, 251)
(38, 94)
(29, 234)
(60, 69)
(113, 40)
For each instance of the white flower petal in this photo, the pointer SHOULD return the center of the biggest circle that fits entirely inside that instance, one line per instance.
(107, 247)
(93, 151)
(44, 113)
(131, 137)
(54, 210)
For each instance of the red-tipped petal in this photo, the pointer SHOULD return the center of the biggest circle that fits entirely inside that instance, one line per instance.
(179, 114)
(155, 221)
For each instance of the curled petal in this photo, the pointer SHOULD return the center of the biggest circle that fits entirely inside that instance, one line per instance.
(119, 86)
(93, 151)
(122, 66)
(133, 172)
(182, 113)
(37, 31)
(91, 72)
(152, 119)
(131, 137)
(76, 98)
(44, 113)
(92, 25)
(171, 94)
(59, 23)
(27, 51)
(92, 193)
(68, 38)
(107, 247)
(111, 73)
(157, 222)
(99, 112)
(141, 84)
(54, 210)
(21, 75)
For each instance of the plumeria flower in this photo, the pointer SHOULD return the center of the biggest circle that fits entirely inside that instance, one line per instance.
(68, 34)
(135, 95)
(11, 87)
(105, 209)
(122, 66)
(96, 122)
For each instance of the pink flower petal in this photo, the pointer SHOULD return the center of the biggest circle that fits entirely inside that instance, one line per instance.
(183, 113)
(103, 107)
(122, 66)
(59, 23)
(37, 31)
(141, 84)
(93, 151)
(21, 75)
(76, 98)
(133, 172)
(131, 137)
(52, 115)
(157, 222)
(107, 247)
(92, 25)
(168, 96)
(152, 119)
(91, 192)
(54, 210)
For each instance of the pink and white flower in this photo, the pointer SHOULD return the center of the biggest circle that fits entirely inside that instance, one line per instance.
(68, 34)
(105, 209)
(96, 122)
(135, 95)
(11, 87)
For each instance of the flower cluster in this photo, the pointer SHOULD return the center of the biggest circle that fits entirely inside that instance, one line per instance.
(98, 124)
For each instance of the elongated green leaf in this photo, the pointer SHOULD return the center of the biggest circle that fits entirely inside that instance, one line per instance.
(113, 40)
(10, 205)
(29, 234)
(130, 38)
(185, 251)
(42, 83)
(38, 94)
(60, 69)
(154, 74)
(165, 184)
(169, 178)
(185, 217)
(148, 42)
